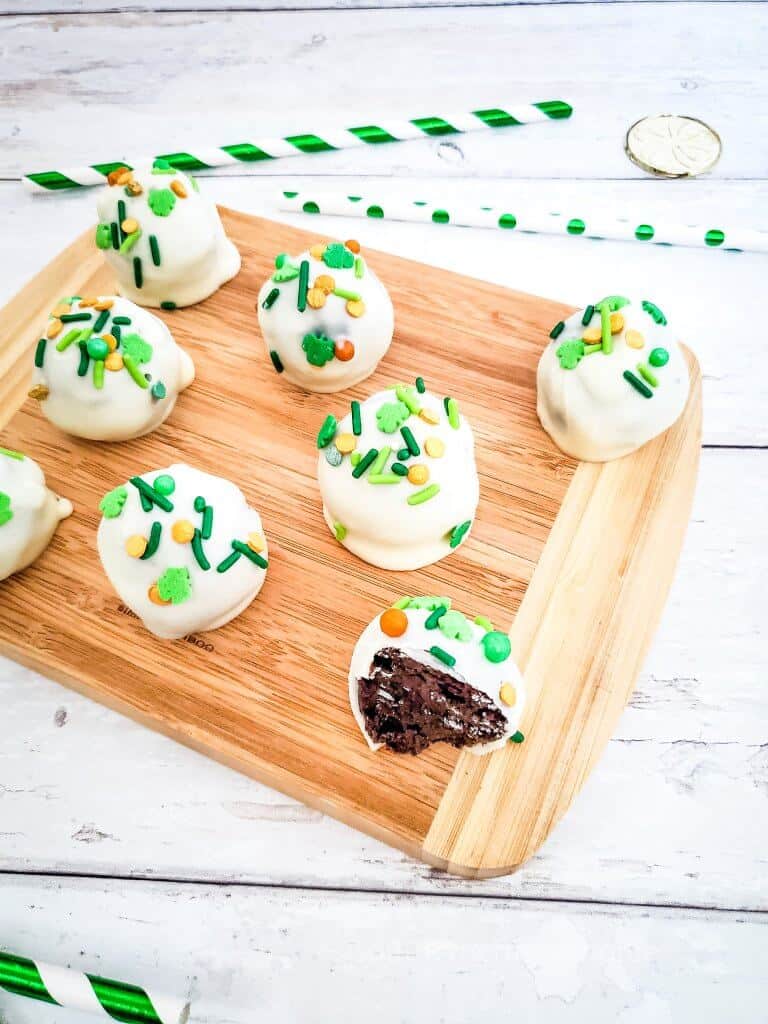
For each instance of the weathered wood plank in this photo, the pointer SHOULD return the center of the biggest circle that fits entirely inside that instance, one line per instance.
(90, 87)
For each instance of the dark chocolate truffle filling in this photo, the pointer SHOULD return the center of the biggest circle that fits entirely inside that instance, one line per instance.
(408, 705)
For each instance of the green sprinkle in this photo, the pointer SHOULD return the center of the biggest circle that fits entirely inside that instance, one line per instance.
(301, 298)
(164, 484)
(228, 562)
(390, 416)
(98, 374)
(404, 454)
(207, 526)
(570, 353)
(637, 384)
(111, 505)
(557, 330)
(134, 371)
(357, 427)
(589, 312)
(590, 349)
(658, 357)
(399, 469)
(648, 376)
(154, 541)
(310, 207)
(434, 617)
(276, 361)
(421, 387)
(444, 656)
(97, 348)
(364, 463)
(120, 219)
(6, 515)
(85, 359)
(410, 441)
(327, 431)
(146, 491)
(122, 321)
(406, 396)
(101, 321)
(130, 240)
(507, 220)
(340, 531)
(452, 408)
(40, 352)
(644, 232)
(375, 212)
(354, 458)
(576, 226)
(197, 550)
(653, 311)
(175, 585)
(384, 478)
(430, 603)
(199, 503)
(114, 234)
(103, 236)
(459, 532)
(380, 461)
(517, 737)
(441, 217)
(359, 267)
(496, 646)
(714, 237)
(270, 300)
(482, 620)
(154, 248)
(454, 626)
(73, 318)
(11, 454)
(116, 333)
(424, 494)
(605, 326)
(138, 275)
(342, 293)
(158, 391)
(161, 201)
(318, 349)
(254, 556)
(402, 603)
(285, 270)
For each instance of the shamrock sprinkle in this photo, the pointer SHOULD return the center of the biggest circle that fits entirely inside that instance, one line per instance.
(135, 347)
(319, 350)
(338, 257)
(103, 236)
(454, 625)
(285, 272)
(161, 201)
(175, 585)
(570, 353)
(391, 416)
(111, 505)
(5, 508)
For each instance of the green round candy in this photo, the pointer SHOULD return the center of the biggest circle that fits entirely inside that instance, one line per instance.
(165, 484)
(496, 646)
(658, 357)
(97, 348)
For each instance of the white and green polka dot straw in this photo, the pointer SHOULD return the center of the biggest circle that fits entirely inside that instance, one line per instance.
(518, 219)
(259, 149)
(112, 1000)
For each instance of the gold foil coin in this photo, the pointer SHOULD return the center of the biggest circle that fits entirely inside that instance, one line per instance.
(673, 146)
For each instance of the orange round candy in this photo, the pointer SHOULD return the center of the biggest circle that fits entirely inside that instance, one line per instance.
(394, 622)
(344, 350)
(353, 245)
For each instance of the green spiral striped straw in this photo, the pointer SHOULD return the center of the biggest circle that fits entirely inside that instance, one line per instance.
(520, 219)
(260, 149)
(114, 1000)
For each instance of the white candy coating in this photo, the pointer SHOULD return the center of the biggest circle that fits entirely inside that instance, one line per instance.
(592, 412)
(120, 409)
(381, 527)
(35, 512)
(196, 257)
(472, 667)
(216, 597)
(284, 327)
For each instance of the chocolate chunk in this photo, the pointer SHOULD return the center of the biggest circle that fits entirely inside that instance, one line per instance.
(408, 705)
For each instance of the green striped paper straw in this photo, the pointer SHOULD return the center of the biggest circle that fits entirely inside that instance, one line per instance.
(114, 1000)
(294, 145)
(336, 204)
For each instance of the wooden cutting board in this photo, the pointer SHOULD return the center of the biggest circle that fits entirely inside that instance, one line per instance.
(576, 558)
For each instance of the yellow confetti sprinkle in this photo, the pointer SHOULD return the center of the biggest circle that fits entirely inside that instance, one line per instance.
(634, 339)
(129, 225)
(87, 301)
(111, 341)
(418, 474)
(39, 392)
(54, 328)
(429, 416)
(256, 542)
(591, 335)
(114, 362)
(326, 282)
(434, 447)
(316, 298)
(617, 323)
(355, 307)
(133, 188)
(508, 695)
(136, 545)
(61, 309)
(103, 304)
(346, 443)
(182, 531)
(317, 250)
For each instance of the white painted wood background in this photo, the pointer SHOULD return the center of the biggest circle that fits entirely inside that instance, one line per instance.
(128, 855)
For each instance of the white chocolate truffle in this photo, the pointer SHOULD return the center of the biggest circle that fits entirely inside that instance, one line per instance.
(326, 318)
(108, 370)
(183, 549)
(398, 478)
(29, 512)
(422, 673)
(162, 237)
(599, 400)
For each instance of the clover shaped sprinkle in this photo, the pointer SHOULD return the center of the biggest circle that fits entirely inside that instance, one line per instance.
(570, 353)
(454, 626)
(5, 508)
(338, 256)
(161, 201)
(391, 416)
(135, 347)
(111, 505)
(318, 349)
(175, 585)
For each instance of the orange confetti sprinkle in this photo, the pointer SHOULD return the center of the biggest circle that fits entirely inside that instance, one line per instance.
(353, 245)
(178, 188)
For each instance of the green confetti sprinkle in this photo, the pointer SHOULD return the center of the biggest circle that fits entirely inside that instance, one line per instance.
(175, 584)
(318, 349)
(111, 505)
(158, 391)
(161, 201)
(391, 416)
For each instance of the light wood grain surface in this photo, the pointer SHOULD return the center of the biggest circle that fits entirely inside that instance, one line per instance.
(676, 814)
